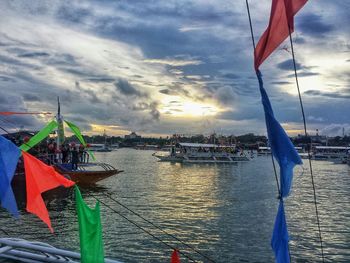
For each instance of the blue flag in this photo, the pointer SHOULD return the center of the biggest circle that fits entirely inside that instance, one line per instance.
(279, 241)
(9, 154)
(281, 146)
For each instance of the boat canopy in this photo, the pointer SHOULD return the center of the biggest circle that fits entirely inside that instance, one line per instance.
(204, 145)
(264, 148)
(332, 148)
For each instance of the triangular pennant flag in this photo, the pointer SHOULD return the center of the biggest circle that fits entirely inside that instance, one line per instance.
(281, 146)
(9, 154)
(40, 178)
(90, 231)
(41, 135)
(175, 258)
(282, 14)
(280, 238)
(75, 129)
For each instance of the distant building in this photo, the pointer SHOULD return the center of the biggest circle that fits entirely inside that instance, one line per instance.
(132, 135)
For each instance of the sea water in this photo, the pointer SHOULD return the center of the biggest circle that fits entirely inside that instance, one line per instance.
(225, 211)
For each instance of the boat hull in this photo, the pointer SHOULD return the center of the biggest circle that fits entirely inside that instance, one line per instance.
(88, 177)
(177, 159)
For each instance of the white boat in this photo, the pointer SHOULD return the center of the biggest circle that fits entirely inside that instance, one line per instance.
(262, 150)
(20, 250)
(204, 153)
(99, 147)
(337, 154)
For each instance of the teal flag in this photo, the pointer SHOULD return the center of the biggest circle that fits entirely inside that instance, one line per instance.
(90, 231)
(41, 135)
(75, 129)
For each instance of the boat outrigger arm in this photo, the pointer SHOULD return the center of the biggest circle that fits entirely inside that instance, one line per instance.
(33, 252)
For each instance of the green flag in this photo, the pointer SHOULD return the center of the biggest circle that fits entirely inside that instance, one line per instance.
(41, 135)
(90, 231)
(75, 129)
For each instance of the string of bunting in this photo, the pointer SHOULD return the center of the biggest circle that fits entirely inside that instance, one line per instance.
(40, 178)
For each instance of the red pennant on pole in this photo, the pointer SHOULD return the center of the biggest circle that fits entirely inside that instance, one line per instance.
(40, 178)
(175, 258)
(281, 16)
(22, 113)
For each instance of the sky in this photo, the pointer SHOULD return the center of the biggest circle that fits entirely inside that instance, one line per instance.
(163, 67)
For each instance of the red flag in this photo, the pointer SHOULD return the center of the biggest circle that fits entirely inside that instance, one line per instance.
(22, 113)
(40, 178)
(282, 14)
(175, 258)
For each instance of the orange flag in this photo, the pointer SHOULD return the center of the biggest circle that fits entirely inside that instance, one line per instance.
(40, 178)
(175, 258)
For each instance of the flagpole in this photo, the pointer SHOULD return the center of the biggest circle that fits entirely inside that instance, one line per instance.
(306, 136)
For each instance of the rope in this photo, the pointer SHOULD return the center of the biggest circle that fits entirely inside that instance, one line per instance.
(165, 232)
(2, 230)
(273, 162)
(309, 146)
(140, 227)
(252, 35)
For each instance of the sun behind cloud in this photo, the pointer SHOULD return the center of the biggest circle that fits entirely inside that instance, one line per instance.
(189, 109)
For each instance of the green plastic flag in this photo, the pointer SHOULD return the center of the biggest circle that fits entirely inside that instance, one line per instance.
(90, 231)
(41, 135)
(75, 129)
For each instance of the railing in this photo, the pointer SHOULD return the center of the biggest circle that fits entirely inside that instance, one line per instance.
(83, 161)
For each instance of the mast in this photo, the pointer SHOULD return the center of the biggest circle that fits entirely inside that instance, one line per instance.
(60, 128)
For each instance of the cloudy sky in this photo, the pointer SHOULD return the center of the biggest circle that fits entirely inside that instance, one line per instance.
(162, 67)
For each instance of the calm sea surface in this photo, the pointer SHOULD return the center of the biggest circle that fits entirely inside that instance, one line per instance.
(224, 211)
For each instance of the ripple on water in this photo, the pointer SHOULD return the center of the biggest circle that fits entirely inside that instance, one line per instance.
(224, 211)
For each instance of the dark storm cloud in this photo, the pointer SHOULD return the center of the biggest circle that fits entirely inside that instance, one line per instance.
(31, 97)
(15, 62)
(314, 25)
(33, 55)
(101, 79)
(288, 65)
(342, 94)
(5, 78)
(176, 89)
(231, 76)
(15, 122)
(151, 107)
(225, 95)
(280, 82)
(73, 13)
(92, 96)
(62, 60)
(125, 88)
(215, 33)
(306, 74)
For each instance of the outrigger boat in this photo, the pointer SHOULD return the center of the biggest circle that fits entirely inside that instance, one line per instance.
(336, 154)
(203, 153)
(87, 173)
(263, 150)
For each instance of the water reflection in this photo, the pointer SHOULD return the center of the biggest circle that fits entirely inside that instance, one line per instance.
(225, 211)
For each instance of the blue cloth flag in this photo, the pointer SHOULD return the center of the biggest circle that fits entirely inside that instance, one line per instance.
(279, 241)
(281, 146)
(9, 154)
